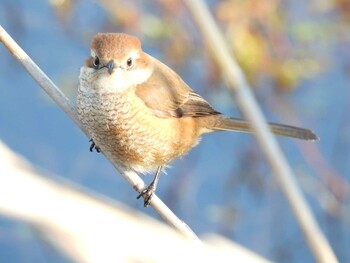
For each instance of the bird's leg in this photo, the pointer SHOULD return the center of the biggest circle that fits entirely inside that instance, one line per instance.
(147, 193)
(93, 146)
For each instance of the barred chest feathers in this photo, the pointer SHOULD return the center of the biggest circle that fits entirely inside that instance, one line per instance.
(119, 123)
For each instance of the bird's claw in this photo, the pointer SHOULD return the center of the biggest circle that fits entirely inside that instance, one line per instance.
(94, 146)
(147, 194)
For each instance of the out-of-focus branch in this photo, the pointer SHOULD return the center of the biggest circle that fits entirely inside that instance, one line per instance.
(91, 229)
(62, 101)
(250, 109)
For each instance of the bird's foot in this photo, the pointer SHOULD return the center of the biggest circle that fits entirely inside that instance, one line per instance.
(147, 194)
(94, 146)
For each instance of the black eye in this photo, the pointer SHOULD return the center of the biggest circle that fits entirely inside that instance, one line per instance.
(96, 62)
(129, 62)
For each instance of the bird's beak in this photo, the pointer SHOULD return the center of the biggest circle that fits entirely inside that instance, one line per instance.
(110, 66)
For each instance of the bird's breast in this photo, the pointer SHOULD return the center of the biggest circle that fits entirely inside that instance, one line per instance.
(124, 126)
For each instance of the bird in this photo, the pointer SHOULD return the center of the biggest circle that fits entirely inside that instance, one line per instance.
(142, 113)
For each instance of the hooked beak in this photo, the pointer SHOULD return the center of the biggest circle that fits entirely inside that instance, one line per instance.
(110, 66)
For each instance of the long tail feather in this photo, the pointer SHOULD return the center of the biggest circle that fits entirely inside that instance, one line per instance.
(234, 124)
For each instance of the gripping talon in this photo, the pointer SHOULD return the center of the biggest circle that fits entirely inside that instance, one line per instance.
(93, 146)
(147, 194)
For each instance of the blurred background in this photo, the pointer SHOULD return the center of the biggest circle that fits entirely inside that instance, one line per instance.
(296, 55)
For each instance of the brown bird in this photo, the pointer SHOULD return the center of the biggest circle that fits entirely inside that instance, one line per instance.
(142, 113)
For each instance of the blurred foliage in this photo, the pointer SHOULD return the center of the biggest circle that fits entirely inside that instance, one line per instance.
(260, 35)
(266, 42)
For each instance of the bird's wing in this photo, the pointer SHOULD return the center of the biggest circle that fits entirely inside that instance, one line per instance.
(169, 96)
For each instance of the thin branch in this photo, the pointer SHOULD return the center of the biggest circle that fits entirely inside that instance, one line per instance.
(250, 109)
(62, 101)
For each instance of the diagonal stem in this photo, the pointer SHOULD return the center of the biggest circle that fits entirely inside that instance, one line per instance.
(250, 109)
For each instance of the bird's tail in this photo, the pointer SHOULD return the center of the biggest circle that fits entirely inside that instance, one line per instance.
(224, 123)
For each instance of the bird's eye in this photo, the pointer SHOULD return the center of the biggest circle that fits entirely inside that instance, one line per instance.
(129, 62)
(96, 62)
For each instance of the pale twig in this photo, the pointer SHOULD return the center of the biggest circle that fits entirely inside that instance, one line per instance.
(250, 109)
(62, 101)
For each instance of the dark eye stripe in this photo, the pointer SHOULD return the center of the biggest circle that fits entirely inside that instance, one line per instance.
(95, 62)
